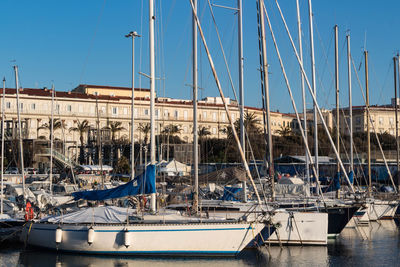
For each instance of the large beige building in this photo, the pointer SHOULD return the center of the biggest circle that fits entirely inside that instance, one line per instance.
(114, 104)
(383, 119)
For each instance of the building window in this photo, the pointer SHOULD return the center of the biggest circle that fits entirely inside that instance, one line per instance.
(358, 120)
(214, 116)
(135, 112)
(69, 108)
(114, 111)
(146, 112)
(176, 114)
(92, 110)
(157, 112)
(8, 105)
(223, 117)
(125, 111)
(185, 115)
(391, 121)
(80, 108)
(214, 130)
(233, 117)
(380, 120)
(204, 115)
(283, 123)
(21, 105)
(166, 114)
(185, 129)
(33, 106)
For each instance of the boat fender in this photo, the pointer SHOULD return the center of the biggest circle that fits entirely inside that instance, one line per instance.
(127, 238)
(90, 236)
(58, 235)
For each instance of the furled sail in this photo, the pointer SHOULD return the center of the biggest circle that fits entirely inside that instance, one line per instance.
(144, 183)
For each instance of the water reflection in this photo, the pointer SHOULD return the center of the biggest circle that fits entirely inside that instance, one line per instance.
(38, 258)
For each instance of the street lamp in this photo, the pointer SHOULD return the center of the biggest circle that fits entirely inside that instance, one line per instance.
(132, 35)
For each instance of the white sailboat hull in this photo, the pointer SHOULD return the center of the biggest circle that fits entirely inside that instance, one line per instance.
(300, 228)
(378, 210)
(381, 210)
(226, 239)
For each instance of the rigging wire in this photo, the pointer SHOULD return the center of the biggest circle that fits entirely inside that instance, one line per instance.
(373, 128)
(91, 45)
(384, 81)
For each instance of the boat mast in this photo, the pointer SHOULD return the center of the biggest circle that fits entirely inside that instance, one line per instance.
(2, 145)
(234, 132)
(307, 168)
(133, 35)
(267, 104)
(337, 107)
(99, 142)
(368, 122)
(51, 139)
(241, 88)
(195, 126)
(398, 70)
(20, 130)
(395, 113)
(350, 104)
(152, 96)
(314, 87)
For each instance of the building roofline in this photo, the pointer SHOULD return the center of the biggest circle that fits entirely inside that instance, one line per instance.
(110, 87)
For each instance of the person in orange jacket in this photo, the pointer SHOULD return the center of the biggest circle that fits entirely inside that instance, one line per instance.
(28, 211)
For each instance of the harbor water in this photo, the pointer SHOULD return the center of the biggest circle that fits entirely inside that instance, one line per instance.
(374, 245)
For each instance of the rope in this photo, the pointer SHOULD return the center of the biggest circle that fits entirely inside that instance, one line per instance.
(27, 235)
(10, 235)
(297, 229)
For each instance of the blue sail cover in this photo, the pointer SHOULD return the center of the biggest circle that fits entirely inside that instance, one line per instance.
(142, 184)
(336, 181)
(231, 193)
(351, 177)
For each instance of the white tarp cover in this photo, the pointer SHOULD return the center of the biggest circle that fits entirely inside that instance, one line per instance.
(96, 167)
(290, 180)
(292, 189)
(106, 214)
(174, 167)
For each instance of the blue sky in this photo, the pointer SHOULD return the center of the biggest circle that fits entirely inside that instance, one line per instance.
(72, 42)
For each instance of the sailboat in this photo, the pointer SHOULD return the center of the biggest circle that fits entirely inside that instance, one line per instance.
(339, 213)
(296, 227)
(113, 230)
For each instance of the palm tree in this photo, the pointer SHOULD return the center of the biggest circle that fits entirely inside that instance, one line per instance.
(57, 124)
(82, 128)
(114, 127)
(203, 132)
(251, 125)
(285, 131)
(145, 129)
(170, 130)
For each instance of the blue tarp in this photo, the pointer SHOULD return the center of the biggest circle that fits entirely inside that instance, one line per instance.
(231, 193)
(142, 184)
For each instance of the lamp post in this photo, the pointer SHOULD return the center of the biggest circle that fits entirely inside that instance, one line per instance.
(133, 35)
